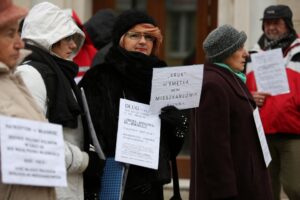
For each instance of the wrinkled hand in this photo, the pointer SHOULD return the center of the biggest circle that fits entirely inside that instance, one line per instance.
(260, 97)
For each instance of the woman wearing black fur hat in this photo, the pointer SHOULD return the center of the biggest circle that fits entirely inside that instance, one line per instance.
(127, 73)
(227, 160)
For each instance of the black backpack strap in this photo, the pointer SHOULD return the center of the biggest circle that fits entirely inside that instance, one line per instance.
(49, 78)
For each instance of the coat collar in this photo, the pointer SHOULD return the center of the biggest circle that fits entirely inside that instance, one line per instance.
(4, 68)
(235, 83)
(23, 54)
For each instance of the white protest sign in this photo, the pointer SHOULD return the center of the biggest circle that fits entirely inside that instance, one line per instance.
(32, 153)
(179, 86)
(138, 135)
(269, 71)
(262, 137)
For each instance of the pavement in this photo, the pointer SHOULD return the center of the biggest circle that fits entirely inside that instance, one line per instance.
(184, 190)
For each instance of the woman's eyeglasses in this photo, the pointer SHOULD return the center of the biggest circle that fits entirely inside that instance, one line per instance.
(138, 36)
(70, 38)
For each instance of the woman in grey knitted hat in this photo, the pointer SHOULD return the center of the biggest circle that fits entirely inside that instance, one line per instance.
(227, 160)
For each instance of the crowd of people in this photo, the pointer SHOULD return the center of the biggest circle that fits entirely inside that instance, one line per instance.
(47, 55)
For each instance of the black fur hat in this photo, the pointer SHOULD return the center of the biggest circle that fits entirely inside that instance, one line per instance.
(127, 20)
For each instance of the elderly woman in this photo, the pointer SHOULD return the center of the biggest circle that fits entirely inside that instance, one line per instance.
(127, 73)
(54, 39)
(15, 99)
(227, 160)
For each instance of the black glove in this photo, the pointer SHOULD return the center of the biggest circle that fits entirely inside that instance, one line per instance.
(95, 166)
(172, 116)
(92, 176)
(175, 123)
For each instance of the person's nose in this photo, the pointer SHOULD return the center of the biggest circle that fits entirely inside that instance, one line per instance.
(19, 43)
(73, 44)
(142, 39)
(271, 25)
(246, 53)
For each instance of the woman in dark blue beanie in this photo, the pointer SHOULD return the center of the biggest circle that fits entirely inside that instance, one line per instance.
(227, 160)
(127, 73)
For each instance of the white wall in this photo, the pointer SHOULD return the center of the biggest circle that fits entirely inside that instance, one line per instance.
(242, 14)
(246, 14)
(83, 8)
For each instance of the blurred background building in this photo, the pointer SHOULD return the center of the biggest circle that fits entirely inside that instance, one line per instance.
(185, 24)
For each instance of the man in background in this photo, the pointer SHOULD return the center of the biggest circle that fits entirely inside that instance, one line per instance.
(280, 114)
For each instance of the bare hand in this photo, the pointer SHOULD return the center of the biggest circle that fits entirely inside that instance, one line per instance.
(260, 97)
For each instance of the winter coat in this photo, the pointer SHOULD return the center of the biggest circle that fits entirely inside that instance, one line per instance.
(16, 101)
(281, 113)
(104, 85)
(56, 26)
(227, 159)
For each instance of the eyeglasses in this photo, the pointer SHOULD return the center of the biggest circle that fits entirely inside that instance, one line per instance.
(138, 36)
(69, 38)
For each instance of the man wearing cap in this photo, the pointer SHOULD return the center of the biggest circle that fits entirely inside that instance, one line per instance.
(281, 114)
(15, 99)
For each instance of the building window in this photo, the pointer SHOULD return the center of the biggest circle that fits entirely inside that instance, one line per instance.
(181, 27)
(181, 33)
(122, 5)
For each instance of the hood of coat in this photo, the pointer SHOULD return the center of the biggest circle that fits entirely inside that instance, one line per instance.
(47, 24)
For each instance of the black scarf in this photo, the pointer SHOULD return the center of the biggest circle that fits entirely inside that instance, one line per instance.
(135, 70)
(282, 43)
(63, 107)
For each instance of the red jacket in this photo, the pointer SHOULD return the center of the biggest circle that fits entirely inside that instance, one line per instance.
(281, 113)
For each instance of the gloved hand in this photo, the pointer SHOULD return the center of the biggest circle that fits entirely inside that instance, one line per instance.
(175, 123)
(172, 115)
(92, 175)
(95, 166)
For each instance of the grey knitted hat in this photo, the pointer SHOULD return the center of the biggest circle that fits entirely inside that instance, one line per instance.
(222, 42)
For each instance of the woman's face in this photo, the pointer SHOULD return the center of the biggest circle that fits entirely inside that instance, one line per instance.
(10, 44)
(138, 41)
(65, 47)
(237, 60)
